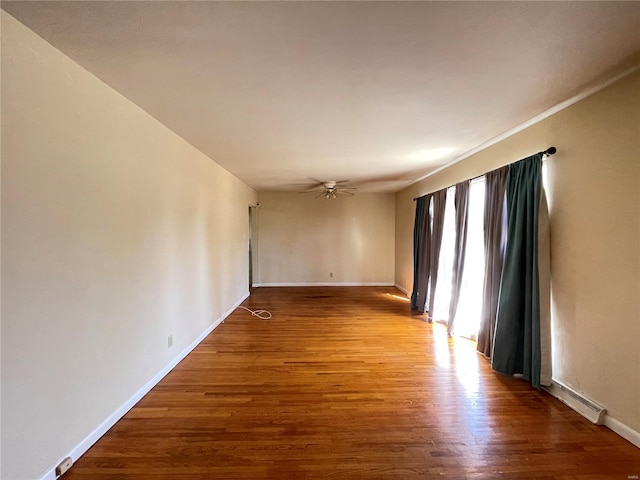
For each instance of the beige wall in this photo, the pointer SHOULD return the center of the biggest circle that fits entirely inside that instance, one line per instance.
(115, 234)
(302, 239)
(595, 239)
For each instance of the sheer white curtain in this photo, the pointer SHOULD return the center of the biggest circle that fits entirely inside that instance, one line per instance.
(445, 262)
(470, 303)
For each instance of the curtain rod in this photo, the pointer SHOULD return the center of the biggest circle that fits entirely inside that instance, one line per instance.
(549, 151)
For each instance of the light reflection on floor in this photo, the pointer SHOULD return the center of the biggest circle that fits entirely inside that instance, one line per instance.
(460, 354)
(458, 359)
(442, 346)
(459, 362)
(467, 364)
(398, 297)
(457, 355)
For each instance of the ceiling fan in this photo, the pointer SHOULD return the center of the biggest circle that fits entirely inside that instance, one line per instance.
(331, 189)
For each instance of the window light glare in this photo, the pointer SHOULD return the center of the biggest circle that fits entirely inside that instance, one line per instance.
(431, 154)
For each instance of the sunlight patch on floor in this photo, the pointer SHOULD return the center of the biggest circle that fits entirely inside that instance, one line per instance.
(459, 353)
(398, 297)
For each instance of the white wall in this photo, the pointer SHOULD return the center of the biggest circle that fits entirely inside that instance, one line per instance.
(594, 202)
(302, 239)
(115, 234)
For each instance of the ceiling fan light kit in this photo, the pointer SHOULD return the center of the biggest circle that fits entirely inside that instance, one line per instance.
(329, 194)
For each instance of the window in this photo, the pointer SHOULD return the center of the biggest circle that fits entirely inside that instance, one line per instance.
(445, 262)
(469, 310)
(470, 304)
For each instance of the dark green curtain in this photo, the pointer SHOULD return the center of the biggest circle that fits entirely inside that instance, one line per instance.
(516, 348)
(421, 261)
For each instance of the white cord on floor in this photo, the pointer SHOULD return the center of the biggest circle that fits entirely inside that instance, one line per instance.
(261, 314)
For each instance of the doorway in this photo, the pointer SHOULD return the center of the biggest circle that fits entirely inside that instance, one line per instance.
(252, 229)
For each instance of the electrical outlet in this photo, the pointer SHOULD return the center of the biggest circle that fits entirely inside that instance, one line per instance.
(170, 341)
(64, 466)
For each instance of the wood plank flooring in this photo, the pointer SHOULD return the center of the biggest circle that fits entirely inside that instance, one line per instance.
(346, 383)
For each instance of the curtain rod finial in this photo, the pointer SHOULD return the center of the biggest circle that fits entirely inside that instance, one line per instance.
(550, 150)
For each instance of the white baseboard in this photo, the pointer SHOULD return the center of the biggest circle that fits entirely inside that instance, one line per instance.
(623, 430)
(403, 290)
(112, 419)
(326, 284)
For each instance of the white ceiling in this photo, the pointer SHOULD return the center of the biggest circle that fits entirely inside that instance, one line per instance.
(280, 93)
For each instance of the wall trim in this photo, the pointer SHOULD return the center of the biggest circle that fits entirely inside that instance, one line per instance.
(532, 121)
(623, 430)
(112, 419)
(326, 284)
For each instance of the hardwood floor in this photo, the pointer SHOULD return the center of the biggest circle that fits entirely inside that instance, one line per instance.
(346, 383)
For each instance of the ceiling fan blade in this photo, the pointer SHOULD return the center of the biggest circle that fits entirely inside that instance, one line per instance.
(330, 189)
(314, 187)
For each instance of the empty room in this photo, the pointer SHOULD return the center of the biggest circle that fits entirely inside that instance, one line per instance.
(312, 239)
